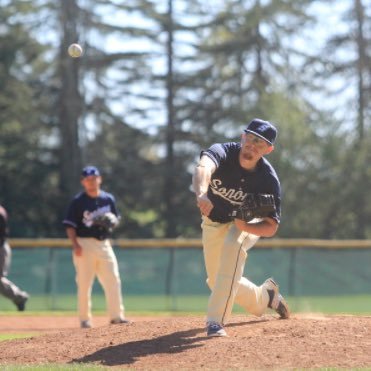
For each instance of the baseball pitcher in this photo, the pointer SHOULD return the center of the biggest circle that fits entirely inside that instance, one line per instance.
(238, 194)
(92, 215)
(8, 288)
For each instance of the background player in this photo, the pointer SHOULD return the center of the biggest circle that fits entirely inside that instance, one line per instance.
(8, 288)
(225, 175)
(92, 251)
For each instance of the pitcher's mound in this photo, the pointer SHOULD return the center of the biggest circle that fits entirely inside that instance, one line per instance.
(303, 341)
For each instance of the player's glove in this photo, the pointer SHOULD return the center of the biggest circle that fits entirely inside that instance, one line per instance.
(255, 206)
(107, 221)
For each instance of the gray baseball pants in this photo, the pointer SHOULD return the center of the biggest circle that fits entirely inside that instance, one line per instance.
(8, 288)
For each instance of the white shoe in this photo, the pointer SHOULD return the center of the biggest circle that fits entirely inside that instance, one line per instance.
(85, 324)
(276, 301)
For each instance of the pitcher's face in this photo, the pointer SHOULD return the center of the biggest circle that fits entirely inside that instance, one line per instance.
(254, 147)
(91, 183)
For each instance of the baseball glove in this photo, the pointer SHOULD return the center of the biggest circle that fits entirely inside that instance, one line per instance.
(255, 206)
(107, 221)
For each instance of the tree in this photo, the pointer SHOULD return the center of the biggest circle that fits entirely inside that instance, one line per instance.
(352, 70)
(70, 103)
(27, 157)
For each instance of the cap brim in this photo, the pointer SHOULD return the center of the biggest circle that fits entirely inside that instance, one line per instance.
(258, 135)
(87, 175)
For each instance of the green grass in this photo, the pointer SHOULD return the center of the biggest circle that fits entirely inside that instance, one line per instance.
(193, 304)
(4, 337)
(136, 304)
(354, 304)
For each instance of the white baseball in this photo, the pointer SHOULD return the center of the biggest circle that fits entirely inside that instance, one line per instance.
(75, 50)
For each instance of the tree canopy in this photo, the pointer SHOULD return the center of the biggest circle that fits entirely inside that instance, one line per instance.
(161, 80)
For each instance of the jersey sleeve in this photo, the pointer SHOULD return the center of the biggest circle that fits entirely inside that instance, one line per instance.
(217, 153)
(70, 219)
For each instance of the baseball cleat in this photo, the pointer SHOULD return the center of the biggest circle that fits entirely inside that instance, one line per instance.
(276, 301)
(117, 321)
(21, 304)
(215, 329)
(85, 324)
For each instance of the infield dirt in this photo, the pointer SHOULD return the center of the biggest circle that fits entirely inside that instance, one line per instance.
(180, 343)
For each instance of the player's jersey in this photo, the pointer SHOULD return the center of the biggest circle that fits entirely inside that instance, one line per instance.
(230, 183)
(84, 208)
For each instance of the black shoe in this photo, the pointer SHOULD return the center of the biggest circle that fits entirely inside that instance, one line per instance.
(21, 304)
(118, 321)
(276, 301)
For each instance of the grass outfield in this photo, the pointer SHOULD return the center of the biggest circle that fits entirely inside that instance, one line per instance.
(355, 304)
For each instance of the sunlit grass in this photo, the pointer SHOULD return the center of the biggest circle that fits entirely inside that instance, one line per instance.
(191, 304)
(4, 337)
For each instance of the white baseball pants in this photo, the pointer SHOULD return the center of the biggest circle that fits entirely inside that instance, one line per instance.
(97, 259)
(225, 253)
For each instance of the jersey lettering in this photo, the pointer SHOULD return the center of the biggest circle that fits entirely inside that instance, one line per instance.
(88, 216)
(232, 195)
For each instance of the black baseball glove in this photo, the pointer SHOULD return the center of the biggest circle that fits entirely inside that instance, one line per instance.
(255, 206)
(107, 221)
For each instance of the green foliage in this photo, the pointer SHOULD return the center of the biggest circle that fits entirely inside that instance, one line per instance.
(232, 61)
(26, 159)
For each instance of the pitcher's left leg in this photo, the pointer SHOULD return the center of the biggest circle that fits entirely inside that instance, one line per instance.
(109, 277)
(254, 299)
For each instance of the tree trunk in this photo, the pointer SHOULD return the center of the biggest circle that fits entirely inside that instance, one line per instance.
(361, 195)
(169, 189)
(70, 102)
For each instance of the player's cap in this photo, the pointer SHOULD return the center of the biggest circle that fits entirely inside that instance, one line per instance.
(262, 129)
(90, 170)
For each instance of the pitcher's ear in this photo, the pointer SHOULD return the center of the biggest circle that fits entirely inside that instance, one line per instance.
(269, 149)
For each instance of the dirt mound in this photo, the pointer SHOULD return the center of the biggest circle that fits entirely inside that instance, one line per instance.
(180, 343)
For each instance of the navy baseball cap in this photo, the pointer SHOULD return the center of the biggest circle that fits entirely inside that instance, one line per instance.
(262, 129)
(90, 170)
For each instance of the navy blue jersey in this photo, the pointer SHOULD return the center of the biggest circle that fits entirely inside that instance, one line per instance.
(230, 183)
(84, 208)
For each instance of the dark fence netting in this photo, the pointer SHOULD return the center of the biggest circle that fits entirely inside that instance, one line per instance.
(146, 271)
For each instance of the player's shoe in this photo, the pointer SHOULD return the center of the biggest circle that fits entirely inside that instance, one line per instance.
(21, 303)
(215, 329)
(276, 301)
(85, 324)
(117, 321)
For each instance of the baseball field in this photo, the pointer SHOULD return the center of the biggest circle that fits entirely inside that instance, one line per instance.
(176, 341)
(330, 330)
